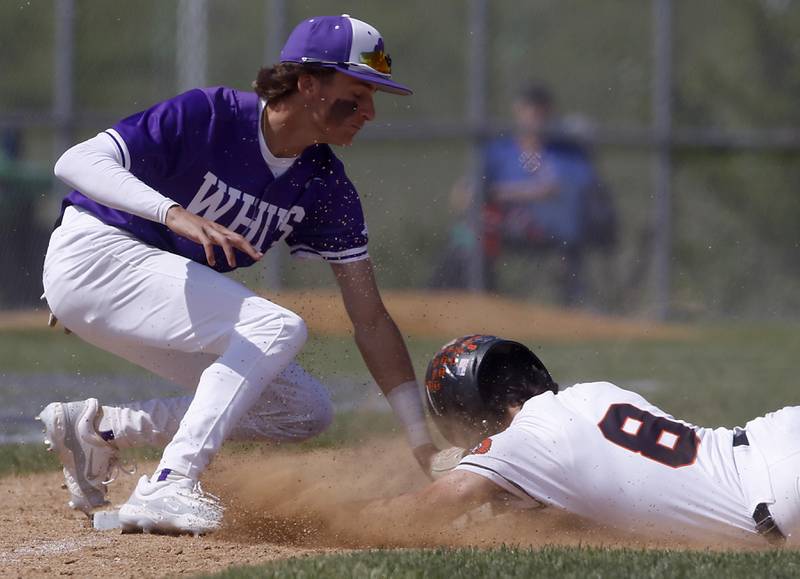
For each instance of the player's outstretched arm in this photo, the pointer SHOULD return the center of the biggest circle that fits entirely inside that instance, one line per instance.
(439, 503)
(384, 352)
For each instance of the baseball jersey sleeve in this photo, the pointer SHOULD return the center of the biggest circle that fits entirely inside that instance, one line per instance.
(161, 141)
(530, 459)
(333, 229)
(503, 459)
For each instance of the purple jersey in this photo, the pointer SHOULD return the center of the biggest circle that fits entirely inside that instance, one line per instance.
(203, 150)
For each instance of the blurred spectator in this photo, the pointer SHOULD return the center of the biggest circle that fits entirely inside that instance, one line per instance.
(22, 246)
(541, 193)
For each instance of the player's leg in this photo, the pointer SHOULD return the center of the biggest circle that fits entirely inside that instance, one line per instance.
(785, 478)
(153, 422)
(108, 288)
(121, 294)
(777, 437)
(294, 407)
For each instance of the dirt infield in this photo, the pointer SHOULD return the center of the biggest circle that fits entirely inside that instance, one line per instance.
(41, 537)
(440, 314)
(278, 505)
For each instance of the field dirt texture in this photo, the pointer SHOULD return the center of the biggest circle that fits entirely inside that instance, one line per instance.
(443, 314)
(279, 504)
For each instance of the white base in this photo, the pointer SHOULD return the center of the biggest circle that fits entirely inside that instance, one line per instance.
(106, 520)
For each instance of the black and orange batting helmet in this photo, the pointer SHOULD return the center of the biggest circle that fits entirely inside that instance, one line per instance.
(471, 382)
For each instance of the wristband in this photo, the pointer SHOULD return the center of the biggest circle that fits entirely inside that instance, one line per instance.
(406, 403)
(163, 209)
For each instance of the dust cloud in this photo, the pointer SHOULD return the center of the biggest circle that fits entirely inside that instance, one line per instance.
(317, 499)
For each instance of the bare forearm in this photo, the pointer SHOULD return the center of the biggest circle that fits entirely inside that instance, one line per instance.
(438, 503)
(387, 358)
(384, 352)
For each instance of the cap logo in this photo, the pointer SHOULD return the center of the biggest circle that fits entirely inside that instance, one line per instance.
(377, 59)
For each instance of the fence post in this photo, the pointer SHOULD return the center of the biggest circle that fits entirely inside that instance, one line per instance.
(662, 170)
(192, 59)
(275, 25)
(476, 114)
(63, 82)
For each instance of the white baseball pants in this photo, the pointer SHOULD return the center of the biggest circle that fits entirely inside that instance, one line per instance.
(189, 324)
(776, 436)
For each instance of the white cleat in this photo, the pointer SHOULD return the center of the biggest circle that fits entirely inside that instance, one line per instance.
(171, 506)
(88, 459)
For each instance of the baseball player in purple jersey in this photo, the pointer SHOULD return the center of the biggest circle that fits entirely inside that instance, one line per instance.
(163, 203)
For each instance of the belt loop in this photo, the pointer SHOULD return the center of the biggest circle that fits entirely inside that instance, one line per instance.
(740, 437)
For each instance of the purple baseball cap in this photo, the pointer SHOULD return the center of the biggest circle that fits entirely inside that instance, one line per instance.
(350, 46)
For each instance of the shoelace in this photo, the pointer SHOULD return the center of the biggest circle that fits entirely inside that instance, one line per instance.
(206, 496)
(115, 466)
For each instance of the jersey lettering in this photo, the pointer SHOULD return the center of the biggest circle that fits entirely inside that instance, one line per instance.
(243, 217)
(294, 216)
(655, 437)
(255, 226)
(214, 205)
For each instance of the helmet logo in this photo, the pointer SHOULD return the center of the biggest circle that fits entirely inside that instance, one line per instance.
(446, 359)
(483, 447)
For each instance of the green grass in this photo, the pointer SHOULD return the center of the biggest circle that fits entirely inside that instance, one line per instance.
(46, 350)
(21, 459)
(562, 562)
(26, 458)
(50, 350)
(348, 428)
(721, 375)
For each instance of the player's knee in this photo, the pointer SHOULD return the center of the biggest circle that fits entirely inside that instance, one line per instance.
(296, 327)
(294, 330)
(316, 421)
(323, 417)
(269, 326)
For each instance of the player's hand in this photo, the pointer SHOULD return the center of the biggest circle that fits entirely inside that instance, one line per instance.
(208, 234)
(424, 454)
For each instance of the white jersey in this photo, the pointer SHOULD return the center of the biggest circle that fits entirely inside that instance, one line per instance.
(607, 454)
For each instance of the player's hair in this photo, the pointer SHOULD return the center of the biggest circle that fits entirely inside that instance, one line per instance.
(277, 82)
(513, 388)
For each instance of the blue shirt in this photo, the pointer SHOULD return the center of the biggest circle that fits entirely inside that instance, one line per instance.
(558, 216)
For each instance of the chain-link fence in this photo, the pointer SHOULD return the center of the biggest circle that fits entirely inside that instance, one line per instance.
(688, 112)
